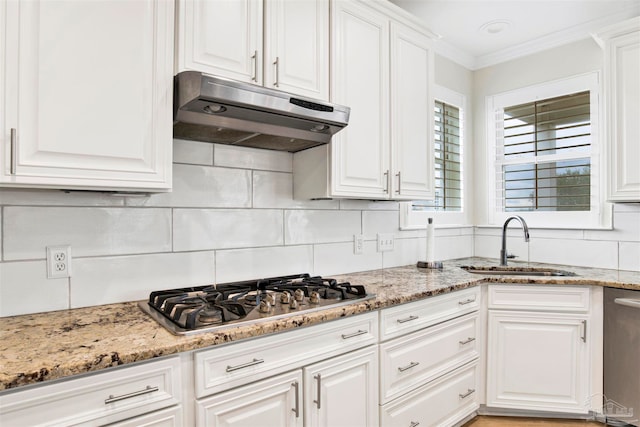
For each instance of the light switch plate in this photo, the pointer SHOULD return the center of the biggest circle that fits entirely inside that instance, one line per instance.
(385, 242)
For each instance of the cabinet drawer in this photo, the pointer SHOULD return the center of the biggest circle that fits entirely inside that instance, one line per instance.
(96, 399)
(422, 356)
(575, 299)
(232, 365)
(442, 402)
(416, 315)
(170, 417)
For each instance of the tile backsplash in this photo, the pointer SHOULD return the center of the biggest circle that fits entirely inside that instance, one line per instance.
(231, 216)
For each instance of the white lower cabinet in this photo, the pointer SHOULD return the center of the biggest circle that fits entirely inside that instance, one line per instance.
(429, 375)
(543, 348)
(100, 399)
(170, 417)
(272, 402)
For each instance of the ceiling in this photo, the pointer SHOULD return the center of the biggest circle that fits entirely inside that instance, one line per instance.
(479, 33)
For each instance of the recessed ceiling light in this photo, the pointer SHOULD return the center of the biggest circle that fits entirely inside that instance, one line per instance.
(495, 27)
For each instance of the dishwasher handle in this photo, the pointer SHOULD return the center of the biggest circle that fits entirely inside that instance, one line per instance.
(628, 302)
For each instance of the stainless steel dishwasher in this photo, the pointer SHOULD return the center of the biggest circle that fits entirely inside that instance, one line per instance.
(622, 357)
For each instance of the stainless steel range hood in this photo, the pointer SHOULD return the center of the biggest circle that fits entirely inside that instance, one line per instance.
(214, 109)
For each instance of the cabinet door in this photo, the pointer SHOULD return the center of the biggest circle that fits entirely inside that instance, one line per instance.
(343, 391)
(623, 84)
(412, 125)
(538, 361)
(274, 402)
(221, 37)
(360, 79)
(88, 94)
(296, 56)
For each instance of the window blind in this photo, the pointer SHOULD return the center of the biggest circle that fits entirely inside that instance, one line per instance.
(448, 164)
(543, 155)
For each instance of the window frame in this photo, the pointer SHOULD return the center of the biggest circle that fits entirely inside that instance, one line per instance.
(599, 216)
(414, 220)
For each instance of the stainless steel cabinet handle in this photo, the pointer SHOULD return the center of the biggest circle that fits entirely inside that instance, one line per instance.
(584, 331)
(469, 392)
(467, 341)
(414, 424)
(244, 365)
(113, 398)
(629, 302)
(318, 390)
(467, 301)
(14, 150)
(296, 388)
(276, 63)
(399, 181)
(355, 334)
(409, 366)
(254, 57)
(407, 319)
(386, 174)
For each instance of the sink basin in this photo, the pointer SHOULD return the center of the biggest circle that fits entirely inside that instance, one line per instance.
(516, 271)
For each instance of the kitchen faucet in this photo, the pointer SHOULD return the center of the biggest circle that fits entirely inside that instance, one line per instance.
(503, 251)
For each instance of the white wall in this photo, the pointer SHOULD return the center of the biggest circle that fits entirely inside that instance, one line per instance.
(231, 216)
(617, 248)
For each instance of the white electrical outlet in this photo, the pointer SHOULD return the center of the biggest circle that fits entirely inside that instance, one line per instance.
(358, 244)
(58, 261)
(385, 242)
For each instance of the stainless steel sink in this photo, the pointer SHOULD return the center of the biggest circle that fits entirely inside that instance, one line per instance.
(516, 271)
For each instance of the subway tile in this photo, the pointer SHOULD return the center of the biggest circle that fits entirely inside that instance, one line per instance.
(247, 264)
(198, 229)
(584, 253)
(89, 231)
(405, 252)
(338, 258)
(626, 207)
(629, 256)
(626, 227)
(252, 158)
(369, 205)
(316, 226)
(374, 222)
(448, 247)
(192, 152)
(33, 197)
(203, 186)
(106, 280)
(24, 289)
(275, 190)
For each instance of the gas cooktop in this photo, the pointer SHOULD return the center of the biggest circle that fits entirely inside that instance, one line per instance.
(186, 311)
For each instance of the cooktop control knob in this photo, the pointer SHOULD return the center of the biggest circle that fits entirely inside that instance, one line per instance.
(285, 297)
(314, 298)
(293, 305)
(270, 299)
(265, 307)
(299, 295)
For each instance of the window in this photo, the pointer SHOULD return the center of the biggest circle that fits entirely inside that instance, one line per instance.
(447, 206)
(545, 165)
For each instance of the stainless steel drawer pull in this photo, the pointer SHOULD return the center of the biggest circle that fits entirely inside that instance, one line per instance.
(629, 302)
(467, 341)
(409, 366)
(113, 398)
(244, 365)
(387, 177)
(399, 182)
(414, 424)
(254, 57)
(467, 301)
(276, 63)
(407, 319)
(296, 388)
(14, 150)
(318, 390)
(355, 334)
(584, 331)
(469, 392)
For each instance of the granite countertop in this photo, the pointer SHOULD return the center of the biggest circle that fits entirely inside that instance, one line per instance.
(46, 346)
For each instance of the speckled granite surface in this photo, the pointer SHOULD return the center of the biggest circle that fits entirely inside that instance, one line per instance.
(40, 347)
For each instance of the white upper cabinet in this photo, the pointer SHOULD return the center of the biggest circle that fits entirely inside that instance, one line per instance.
(621, 44)
(227, 38)
(87, 93)
(382, 68)
(412, 122)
